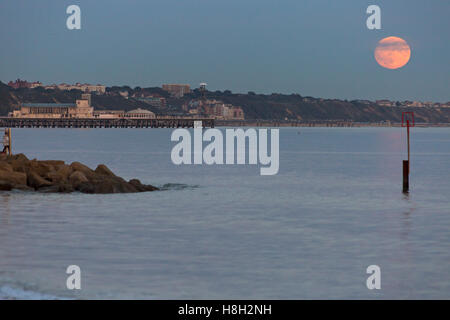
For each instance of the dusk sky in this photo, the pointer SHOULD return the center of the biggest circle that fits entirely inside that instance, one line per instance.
(312, 47)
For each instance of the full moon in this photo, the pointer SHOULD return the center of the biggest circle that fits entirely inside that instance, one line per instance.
(392, 52)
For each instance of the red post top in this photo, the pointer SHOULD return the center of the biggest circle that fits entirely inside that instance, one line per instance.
(408, 119)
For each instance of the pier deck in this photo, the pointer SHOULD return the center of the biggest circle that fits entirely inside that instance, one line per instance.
(7, 122)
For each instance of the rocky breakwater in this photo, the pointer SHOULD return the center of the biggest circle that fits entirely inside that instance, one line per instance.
(20, 173)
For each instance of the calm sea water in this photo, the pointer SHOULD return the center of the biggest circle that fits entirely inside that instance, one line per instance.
(334, 208)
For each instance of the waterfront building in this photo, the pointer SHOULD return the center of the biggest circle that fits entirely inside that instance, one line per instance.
(139, 114)
(80, 109)
(108, 114)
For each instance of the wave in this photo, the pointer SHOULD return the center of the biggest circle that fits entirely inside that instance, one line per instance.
(177, 186)
(11, 293)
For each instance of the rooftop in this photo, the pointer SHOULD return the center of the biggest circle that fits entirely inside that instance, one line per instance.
(139, 110)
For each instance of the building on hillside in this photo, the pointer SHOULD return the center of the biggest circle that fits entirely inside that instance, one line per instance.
(80, 109)
(87, 88)
(177, 90)
(219, 110)
(24, 84)
(415, 104)
(234, 113)
(385, 103)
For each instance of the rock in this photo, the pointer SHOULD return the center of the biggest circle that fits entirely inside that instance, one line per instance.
(49, 189)
(77, 178)
(22, 187)
(88, 172)
(19, 166)
(105, 184)
(104, 170)
(55, 163)
(57, 188)
(17, 172)
(86, 187)
(61, 175)
(65, 188)
(17, 157)
(41, 168)
(15, 178)
(36, 181)
(6, 166)
(8, 186)
(141, 187)
(5, 186)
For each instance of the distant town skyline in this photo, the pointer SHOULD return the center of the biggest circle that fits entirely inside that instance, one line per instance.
(178, 90)
(320, 49)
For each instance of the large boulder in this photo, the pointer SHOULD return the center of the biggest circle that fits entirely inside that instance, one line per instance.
(5, 186)
(88, 172)
(36, 181)
(65, 188)
(41, 168)
(8, 186)
(57, 188)
(61, 175)
(15, 178)
(117, 185)
(56, 164)
(17, 157)
(6, 166)
(104, 171)
(141, 187)
(77, 178)
(86, 187)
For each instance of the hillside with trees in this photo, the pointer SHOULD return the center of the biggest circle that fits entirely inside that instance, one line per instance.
(256, 106)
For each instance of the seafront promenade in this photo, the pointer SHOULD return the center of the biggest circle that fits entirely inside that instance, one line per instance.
(8, 122)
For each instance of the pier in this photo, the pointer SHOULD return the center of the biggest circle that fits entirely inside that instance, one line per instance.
(8, 122)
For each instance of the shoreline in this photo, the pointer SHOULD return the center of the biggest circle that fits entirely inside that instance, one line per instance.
(322, 124)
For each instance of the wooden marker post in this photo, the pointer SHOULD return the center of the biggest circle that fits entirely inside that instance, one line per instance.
(405, 176)
(408, 121)
(409, 149)
(10, 141)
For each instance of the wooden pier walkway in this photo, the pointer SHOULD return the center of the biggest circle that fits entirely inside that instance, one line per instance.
(7, 122)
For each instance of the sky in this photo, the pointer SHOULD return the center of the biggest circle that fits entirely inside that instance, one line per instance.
(319, 48)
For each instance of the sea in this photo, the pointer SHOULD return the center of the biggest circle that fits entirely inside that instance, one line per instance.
(311, 231)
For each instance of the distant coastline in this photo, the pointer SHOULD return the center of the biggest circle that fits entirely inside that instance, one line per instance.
(225, 107)
(318, 123)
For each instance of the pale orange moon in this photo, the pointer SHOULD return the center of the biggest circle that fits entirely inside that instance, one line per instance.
(392, 52)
